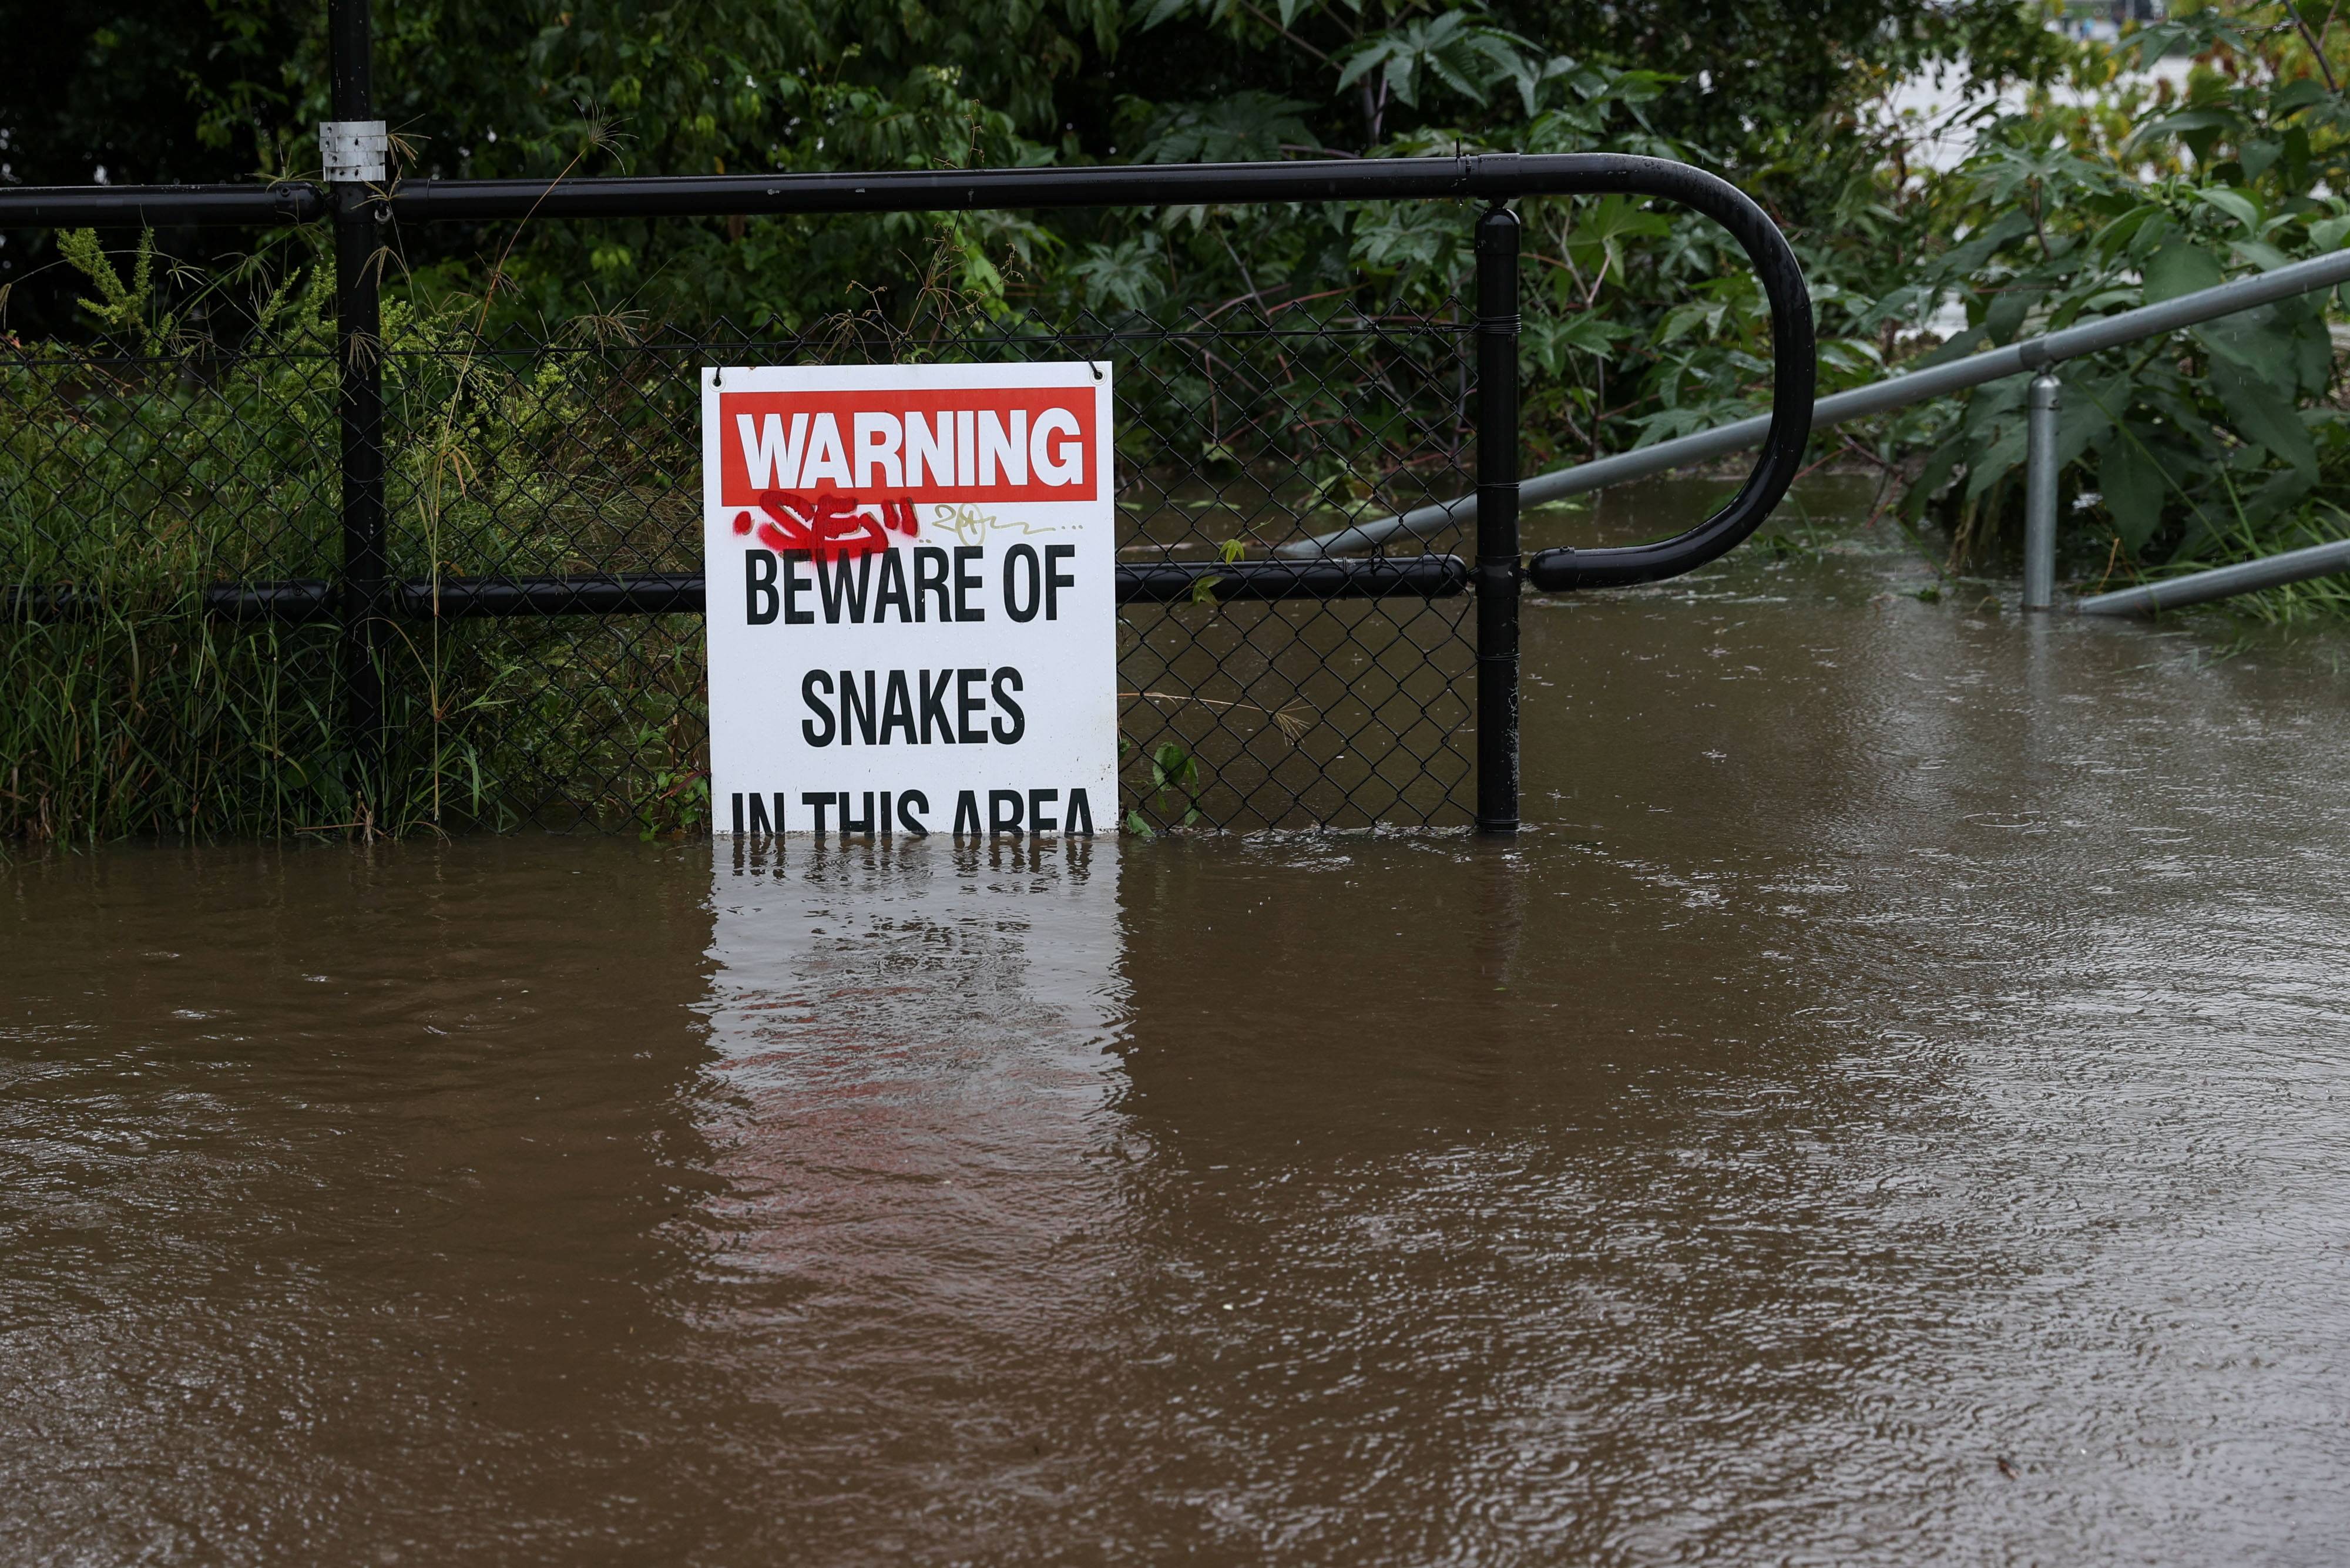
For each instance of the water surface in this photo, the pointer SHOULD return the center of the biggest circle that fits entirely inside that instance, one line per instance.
(1892, 1107)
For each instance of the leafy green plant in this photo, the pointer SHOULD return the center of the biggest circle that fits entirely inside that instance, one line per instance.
(1175, 772)
(2180, 450)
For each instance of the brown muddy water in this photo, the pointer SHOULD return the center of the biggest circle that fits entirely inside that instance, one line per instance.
(1892, 1107)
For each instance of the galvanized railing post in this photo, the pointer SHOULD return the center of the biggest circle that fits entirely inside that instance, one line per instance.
(2040, 491)
(1497, 522)
(352, 147)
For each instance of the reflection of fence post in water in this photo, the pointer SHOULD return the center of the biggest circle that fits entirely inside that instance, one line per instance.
(352, 146)
(1497, 522)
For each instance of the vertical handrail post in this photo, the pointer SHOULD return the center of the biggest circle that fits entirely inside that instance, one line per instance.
(1497, 570)
(352, 146)
(2040, 491)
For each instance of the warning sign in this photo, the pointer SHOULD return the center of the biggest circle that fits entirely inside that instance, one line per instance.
(912, 573)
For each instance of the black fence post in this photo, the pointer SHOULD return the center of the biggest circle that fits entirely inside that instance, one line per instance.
(1497, 522)
(352, 147)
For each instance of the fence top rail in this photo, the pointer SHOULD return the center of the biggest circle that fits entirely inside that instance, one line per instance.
(1490, 176)
(152, 206)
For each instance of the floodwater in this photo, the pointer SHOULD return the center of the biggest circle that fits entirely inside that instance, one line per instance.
(1892, 1107)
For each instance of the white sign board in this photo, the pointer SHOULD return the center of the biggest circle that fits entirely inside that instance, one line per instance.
(911, 578)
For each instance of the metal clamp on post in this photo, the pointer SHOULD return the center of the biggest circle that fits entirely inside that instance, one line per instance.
(354, 151)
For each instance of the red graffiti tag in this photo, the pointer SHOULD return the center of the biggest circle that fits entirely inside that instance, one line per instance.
(828, 526)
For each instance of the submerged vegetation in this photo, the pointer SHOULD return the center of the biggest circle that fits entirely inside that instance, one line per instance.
(166, 414)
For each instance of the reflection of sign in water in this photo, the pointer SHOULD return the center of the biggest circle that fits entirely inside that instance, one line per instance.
(912, 617)
(930, 1010)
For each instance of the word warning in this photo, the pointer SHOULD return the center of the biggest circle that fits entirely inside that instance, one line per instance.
(911, 574)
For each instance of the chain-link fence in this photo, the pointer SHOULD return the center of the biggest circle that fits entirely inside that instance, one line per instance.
(361, 571)
(545, 656)
(141, 486)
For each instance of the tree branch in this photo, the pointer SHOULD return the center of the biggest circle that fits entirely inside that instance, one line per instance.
(1284, 32)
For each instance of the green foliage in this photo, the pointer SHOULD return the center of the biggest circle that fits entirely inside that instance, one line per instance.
(2182, 450)
(1450, 51)
(1250, 126)
(575, 87)
(1175, 777)
(559, 89)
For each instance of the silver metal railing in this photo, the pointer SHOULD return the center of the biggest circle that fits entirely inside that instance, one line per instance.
(2222, 582)
(2034, 353)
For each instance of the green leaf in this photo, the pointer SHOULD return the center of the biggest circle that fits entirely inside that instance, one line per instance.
(1172, 767)
(1402, 71)
(2003, 456)
(2188, 122)
(2179, 268)
(2115, 234)
(2263, 415)
(1586, 331)
(2132, 485)
(2275, 494)
(2270, 343)
(2326, 232)
(1244, 126)
(1359, 63)
(2080, 423)
(1978, 248)
(2297, 95)
(2238, 204)
(2260, 253)
(1967, 340)
(2007, 312)
(2296, 160)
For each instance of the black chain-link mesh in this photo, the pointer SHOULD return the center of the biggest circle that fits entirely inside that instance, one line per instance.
(143, 477)
(1298, 711)
(133, 477)
(154, 471)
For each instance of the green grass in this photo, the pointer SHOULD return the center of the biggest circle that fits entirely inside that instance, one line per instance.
(136, 476)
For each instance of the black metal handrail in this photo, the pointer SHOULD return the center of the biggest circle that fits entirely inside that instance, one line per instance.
(1488, 176)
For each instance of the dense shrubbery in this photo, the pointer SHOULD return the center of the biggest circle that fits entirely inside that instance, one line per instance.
(1641, 326)
(2218, 441)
